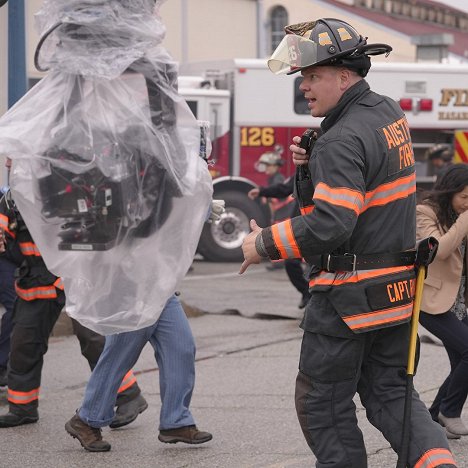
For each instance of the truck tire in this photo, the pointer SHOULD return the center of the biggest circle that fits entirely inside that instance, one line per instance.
(222, 241)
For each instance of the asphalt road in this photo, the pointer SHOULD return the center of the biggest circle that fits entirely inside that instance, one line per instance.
(248, 341)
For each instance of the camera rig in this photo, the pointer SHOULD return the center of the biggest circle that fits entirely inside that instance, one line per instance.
(113, 186)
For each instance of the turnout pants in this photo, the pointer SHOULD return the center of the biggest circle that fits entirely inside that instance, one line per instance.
(334, 365)
(7, 299)
(33, 324)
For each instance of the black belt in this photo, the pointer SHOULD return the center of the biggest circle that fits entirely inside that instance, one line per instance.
(352, 262)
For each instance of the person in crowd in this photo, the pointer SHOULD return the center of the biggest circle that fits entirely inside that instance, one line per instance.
(174, 351)
(440, 157)
(38, 306)
(270, 163)
(286, 208)
(357, 234)
(443, 214)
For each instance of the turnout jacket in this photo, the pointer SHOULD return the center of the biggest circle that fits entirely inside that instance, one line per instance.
(363, 202)
(33, 279)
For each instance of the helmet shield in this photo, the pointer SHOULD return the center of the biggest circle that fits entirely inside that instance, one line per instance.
(293, 53)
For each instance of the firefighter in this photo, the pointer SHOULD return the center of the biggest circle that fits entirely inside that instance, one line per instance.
(360, 235)
(440, 157)
(38, 306)
(285, 208)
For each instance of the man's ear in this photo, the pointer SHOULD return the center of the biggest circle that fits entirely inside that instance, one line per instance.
(347, 78)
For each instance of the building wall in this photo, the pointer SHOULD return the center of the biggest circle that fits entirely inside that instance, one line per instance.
(214, 29)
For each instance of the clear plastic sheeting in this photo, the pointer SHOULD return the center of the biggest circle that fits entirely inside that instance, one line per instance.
(95, 37)
(107, 175)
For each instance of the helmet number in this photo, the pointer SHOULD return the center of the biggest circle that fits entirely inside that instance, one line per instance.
(257, 136)
(292, 54)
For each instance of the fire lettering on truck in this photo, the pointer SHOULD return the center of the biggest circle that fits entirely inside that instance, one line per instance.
(457, 97)
(453, 97)
(257, 136)
(397, 137)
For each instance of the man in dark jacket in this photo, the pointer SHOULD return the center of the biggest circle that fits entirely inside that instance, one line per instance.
(358, 232)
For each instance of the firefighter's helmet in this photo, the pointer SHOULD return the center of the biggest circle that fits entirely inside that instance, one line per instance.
(326, 41)
(268, 159)
(440, 151)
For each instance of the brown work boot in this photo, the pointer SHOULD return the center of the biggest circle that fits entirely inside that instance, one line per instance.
(187, 434)
(89, 437)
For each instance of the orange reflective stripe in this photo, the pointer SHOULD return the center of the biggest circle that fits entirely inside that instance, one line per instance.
(387, 193)
(5, 225)
(29, 248)
(285, 242)
(435, 457)
(41, 292)
(127, 381)
(58, 283)
(340, 196)
(3, 221)
(372, 319)
(307, 209)
(23, 398)
(326, 278)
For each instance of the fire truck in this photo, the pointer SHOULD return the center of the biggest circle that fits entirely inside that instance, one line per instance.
(252, 111)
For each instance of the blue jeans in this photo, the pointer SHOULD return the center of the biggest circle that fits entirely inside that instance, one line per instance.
(7, 299)
(174, 350)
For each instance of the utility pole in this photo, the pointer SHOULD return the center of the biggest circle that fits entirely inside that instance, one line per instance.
(17, 82)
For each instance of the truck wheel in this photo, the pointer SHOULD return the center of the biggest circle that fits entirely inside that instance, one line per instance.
(222, 241)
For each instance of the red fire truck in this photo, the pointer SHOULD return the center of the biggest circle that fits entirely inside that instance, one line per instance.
(252, 111)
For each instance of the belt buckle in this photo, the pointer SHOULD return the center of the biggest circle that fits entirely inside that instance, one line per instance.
(354, 260)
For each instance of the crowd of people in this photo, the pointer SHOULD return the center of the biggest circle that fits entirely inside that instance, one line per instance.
(358, 241)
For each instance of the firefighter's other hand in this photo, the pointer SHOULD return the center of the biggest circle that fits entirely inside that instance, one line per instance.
(217, 209)
(300, 158)
(251, 255)
(253, 194)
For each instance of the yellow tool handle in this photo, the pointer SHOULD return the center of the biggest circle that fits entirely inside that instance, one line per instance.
(421, 276)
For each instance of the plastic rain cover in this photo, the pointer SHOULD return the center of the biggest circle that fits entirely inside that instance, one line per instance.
(106, 168)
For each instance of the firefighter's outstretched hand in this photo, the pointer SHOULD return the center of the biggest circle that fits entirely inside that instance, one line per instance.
(248, 247)
(300, 158)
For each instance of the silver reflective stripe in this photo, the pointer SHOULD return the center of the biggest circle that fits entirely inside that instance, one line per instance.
(284, 240)
(387, 193)
(378, 316)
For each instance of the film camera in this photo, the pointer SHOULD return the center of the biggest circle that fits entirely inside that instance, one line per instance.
(102, 200)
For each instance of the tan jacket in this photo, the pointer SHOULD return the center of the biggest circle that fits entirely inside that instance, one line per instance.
(444, 273)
